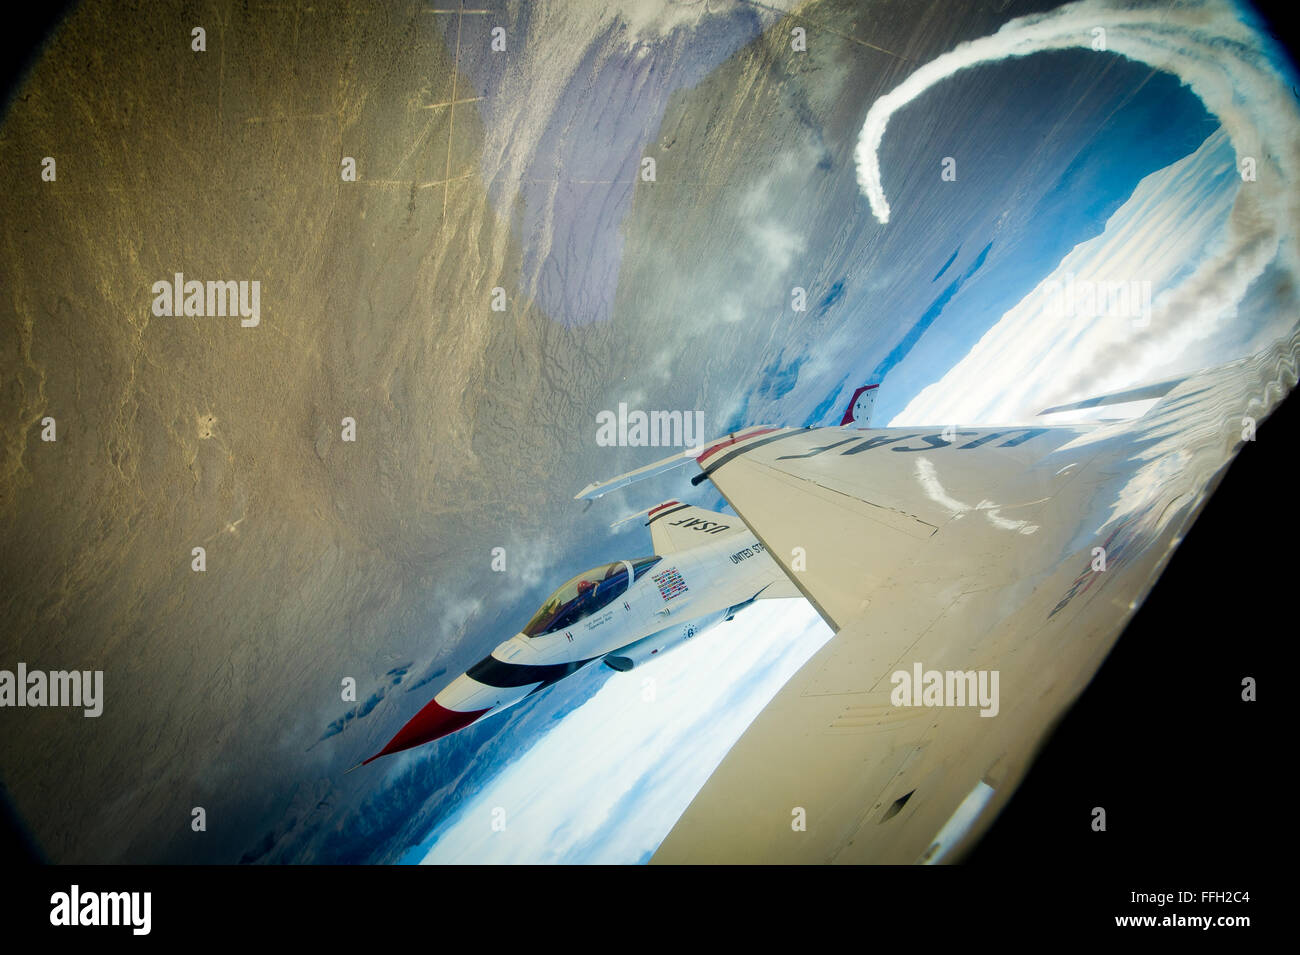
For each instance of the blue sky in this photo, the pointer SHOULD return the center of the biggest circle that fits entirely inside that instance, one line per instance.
(603, 783)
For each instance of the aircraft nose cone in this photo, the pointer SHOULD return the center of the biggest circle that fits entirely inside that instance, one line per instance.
(432, 722)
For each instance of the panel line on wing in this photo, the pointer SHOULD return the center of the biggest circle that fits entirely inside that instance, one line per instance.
(744, 448)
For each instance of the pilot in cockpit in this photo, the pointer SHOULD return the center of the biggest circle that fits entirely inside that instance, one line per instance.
(585, 599)
(586, 594)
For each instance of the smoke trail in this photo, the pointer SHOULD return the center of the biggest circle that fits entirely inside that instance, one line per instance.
(1203, 43)
(1228, 64)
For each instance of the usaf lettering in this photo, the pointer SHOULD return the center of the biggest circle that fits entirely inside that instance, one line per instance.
(695, 524)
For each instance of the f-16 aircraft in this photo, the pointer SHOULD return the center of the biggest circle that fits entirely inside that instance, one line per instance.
(705, 567)
(961, 552)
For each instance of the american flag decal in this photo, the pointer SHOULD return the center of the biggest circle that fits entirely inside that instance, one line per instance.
(670, 583)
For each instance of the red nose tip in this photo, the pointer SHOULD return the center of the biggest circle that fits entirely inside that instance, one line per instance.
(432, 722)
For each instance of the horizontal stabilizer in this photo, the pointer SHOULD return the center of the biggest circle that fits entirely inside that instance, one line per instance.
(615, 525)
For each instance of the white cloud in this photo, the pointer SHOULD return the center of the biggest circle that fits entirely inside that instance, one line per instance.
(608, 782)
(776, 243)
(1034, 357)
(652, 19)
(1230, 66)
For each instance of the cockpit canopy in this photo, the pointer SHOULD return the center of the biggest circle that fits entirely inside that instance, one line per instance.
(585, 594)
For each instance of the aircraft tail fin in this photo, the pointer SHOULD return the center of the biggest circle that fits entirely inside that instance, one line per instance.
(675, 526)
(858, 413)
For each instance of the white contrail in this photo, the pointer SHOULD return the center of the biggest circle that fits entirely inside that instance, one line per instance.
(1227, 64)
(1204, 44)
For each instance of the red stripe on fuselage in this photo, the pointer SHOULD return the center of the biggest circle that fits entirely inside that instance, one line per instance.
(713, 449)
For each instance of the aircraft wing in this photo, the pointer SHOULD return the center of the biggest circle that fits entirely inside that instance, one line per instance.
(843, 510)
(962, 553)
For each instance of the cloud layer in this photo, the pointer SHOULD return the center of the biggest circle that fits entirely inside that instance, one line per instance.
(1230, 66)
(610, 779)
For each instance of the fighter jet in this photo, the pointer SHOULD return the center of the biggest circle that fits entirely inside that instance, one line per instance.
(705, 567)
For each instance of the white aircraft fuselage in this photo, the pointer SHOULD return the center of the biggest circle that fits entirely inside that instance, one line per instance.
(626, 612)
